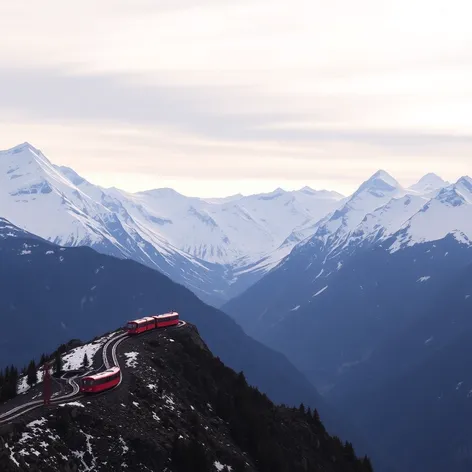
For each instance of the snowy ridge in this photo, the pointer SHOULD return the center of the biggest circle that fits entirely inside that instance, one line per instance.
(218, 247)
(381, 209)
(449, 212)
(197, 242)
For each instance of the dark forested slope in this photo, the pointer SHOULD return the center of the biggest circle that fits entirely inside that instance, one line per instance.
(179, 409)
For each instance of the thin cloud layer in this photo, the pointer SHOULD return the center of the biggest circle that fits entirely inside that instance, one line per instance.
(221, 97)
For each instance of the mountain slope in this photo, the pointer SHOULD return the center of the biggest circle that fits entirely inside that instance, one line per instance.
(208, 246)
(342, 286)
(178, 409)
(431, 385)
(66, 293)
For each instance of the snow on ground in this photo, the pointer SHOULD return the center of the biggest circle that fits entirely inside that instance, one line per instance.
(320, 291)
(170, 404)
(424, 279)
(37, 429)
(131, 360)
(23, 386)
(73, 404)
(221, 467)
(123, 445)
(73, 359)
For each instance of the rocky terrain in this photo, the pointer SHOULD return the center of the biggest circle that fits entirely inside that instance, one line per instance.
(178, 409)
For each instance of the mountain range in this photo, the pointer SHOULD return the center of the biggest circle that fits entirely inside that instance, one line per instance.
(215, 247)
(365, 295)
(374, 309)
(383, 240)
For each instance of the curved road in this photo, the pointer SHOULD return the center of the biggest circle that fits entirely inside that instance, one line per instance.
(110, 359)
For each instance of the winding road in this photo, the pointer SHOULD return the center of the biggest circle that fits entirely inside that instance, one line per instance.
(110, 359)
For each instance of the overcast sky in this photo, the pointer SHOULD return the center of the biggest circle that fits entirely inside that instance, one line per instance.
(215, 97)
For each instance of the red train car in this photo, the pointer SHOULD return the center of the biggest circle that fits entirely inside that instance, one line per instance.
(100, 382)
(167, 319)
(141, 325)
(152, 322)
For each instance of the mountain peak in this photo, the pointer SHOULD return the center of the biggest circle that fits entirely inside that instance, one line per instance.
(385, 176)
(381, 181)
(20, 148)
(307, 189)
(429, 182)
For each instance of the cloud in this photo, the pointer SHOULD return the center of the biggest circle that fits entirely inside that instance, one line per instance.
(246, 92)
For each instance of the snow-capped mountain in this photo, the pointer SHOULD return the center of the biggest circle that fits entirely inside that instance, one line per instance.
(449, 212)
(209, 245)
(58, 205)
(384, 253)
(429, 183)
(223, 233)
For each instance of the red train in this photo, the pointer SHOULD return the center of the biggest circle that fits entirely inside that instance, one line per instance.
(102, 381)
(152, 322)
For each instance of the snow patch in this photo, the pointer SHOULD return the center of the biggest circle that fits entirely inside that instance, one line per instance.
(73, 360)
(73, 404)
(424, 279)
(131, 360)
(320, 291)
(221, 467)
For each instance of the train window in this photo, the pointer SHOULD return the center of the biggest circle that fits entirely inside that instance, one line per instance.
(131, 325)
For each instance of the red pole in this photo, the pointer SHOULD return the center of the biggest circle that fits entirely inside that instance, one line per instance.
(46, 384)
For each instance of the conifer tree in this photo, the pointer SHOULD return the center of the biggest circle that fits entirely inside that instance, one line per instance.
(85, 362)
(367, 464)
(11, 382)
(31, 374)
(58, 363)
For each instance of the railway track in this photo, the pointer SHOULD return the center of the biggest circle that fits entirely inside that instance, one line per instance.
(110, 359)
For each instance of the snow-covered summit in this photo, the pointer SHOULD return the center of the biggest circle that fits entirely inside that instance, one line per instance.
(429, 183)
(448, 213)
(380, 184)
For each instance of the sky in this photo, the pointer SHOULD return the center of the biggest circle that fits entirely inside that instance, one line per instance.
(215, 97)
